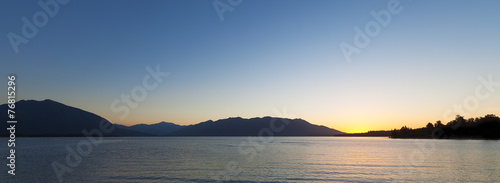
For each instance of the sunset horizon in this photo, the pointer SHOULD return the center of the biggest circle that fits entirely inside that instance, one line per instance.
(355, 129)
(379, 68)
(250, 91)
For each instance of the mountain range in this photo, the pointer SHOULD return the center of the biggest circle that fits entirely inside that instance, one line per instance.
(51, 118)
(160, 129)
(256, 126)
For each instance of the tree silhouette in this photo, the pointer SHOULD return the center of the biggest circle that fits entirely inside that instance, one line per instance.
(487, 127)
(429, 125)
(438, 124)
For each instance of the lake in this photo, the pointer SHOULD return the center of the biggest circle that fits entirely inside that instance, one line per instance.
(253, 159)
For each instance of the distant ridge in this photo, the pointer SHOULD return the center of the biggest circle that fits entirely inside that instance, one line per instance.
(162, 128)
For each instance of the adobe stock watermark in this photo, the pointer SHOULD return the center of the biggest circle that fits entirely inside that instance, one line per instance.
(416, 158)
(95, 136)
(222, 7)
(83, 149)
(483, 91)
(139, 92)
(39, 19)
(252, 146)
(372, 29)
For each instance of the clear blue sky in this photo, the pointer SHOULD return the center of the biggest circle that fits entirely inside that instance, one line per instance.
(264, 55)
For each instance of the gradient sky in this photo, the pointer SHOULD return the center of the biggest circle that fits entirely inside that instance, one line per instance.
(265, 56)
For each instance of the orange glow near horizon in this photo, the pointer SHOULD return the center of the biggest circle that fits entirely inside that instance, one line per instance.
(348, 120)
(354, 130)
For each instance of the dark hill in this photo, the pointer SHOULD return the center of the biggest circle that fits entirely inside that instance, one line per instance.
(51, 118)
(251, 127)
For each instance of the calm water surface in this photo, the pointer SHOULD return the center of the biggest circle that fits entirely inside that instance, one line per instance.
(244, 159)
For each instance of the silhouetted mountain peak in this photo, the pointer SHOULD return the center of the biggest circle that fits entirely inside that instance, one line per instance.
(52, 118)
(237, 126)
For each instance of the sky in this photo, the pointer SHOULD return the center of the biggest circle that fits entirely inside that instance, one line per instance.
(430, 61)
